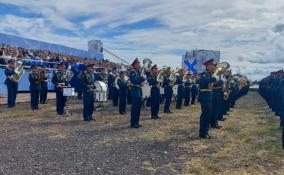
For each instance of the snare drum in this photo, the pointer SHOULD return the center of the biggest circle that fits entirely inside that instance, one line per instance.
(68, 92)
(101, 91)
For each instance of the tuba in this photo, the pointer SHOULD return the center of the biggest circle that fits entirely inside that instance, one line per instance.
(221, 68)
(160, 75)
(123, 68)
(146, 67)
(173, 77)
(19, 72)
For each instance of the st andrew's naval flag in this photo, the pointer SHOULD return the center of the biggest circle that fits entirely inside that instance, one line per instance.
(190, 63)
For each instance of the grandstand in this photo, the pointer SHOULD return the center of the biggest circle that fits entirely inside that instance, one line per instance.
(39, 45)
(42, 53)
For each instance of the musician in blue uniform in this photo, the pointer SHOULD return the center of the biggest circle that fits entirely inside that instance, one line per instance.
(11, 83)
(123, 89)
(88, 85)
(187, 88)
(180, 91)
(35, 85)
(129, 88)
(59, 80)
(271, 89)
(136, 80)
(155, 92)
(168, 90)
(110, 83)
(79, 84)
(216, 102)
(205, 98)
(43, 84)
(194, 89)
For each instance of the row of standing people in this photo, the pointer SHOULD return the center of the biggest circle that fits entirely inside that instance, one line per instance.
(211, 94)
(271, 89)
(217, 96)
(38, 85)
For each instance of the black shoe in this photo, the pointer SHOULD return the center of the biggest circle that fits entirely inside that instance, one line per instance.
(217, 127)
(139, 126)
(91, 119)
(168, 112)
(222, 119)
(134, 126)
(155, 117)
(178, 107)
(205, 136)
(86, 120)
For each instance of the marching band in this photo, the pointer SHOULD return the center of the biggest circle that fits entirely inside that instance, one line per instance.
(217, 89)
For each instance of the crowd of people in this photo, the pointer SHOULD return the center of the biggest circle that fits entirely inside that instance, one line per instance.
(7, 52)
(271, 89)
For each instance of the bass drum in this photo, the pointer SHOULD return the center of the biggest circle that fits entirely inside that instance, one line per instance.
(146, 91)
(175, 90)
(101, 91)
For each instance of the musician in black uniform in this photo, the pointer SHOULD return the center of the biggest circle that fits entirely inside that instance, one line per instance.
(155, 92)
(136, 80)
(187, 88)
(205, 98)
(44, 85)
(12, 84)
(123, 89)
(180, 91)
(59, 80)
(35, 83)
(168, 91)
(88, 84)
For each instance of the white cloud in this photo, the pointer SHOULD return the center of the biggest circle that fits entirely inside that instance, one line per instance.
(243, 30)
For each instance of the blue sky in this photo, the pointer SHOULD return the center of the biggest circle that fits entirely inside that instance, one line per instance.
(249, 33)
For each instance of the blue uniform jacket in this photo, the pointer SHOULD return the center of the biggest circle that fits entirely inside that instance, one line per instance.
(8, 72)
(34, 81)
(123, 88)
(204, 83)
(136, 81)
(87, 81)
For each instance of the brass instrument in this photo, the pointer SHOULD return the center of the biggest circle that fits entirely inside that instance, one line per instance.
(227, 89)
(19, 72)
(146, 67)
(126, 78)
(185, 75)
(160, 76)
(173, 77)
(220, 68)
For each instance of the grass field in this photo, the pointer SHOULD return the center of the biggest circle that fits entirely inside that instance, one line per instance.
(43, 143)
